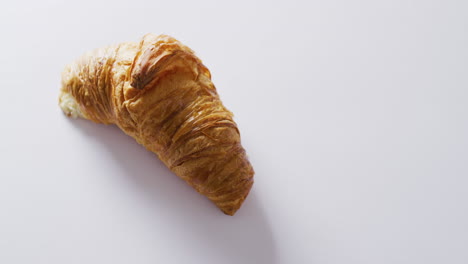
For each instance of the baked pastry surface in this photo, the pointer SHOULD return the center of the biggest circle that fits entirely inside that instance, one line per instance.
(158, 92)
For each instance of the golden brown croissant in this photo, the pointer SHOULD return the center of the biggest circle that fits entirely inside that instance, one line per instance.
(160, 93)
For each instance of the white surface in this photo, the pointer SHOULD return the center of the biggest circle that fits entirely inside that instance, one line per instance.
(354, 115)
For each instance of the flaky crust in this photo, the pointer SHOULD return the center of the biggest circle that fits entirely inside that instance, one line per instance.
(160, 93)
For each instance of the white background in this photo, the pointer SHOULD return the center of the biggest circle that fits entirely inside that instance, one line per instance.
(354, 115)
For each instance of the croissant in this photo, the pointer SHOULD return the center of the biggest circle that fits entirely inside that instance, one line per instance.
(158, 92)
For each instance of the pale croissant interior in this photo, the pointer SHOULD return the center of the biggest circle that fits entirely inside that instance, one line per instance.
(69, 105)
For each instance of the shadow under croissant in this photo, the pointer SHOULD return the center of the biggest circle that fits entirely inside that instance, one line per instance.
(245, 237)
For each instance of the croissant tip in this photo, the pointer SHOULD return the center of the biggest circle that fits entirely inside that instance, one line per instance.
(232, 208)
(69, 105)
(229, 211)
